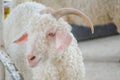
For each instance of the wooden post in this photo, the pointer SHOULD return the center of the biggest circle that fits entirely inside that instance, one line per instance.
(1, 20)
(2, 70)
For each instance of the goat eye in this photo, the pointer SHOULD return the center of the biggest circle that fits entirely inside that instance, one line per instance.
(51, 34)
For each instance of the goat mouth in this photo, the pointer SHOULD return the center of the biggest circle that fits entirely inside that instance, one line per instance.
(34, 63)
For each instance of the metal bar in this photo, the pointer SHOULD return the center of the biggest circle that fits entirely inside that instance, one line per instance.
(10, 66)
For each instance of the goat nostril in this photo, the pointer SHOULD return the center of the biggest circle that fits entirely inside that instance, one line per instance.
(32, 58)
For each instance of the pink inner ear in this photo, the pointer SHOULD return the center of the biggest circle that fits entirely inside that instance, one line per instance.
(63, 39)
(22, 39)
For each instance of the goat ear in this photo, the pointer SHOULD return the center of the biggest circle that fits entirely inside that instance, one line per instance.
(63, 39)
(22, 38)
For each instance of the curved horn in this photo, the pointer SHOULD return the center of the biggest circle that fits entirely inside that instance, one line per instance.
(65, 11)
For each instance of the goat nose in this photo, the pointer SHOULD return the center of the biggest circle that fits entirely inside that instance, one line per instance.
(31, 58)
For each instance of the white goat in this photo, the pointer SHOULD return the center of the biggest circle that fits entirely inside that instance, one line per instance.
(38, 34)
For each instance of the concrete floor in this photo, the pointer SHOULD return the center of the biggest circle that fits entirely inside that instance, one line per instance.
(101, 57)
(102, 71)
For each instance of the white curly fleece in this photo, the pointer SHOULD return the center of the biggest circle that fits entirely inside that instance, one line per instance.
(63, 65)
